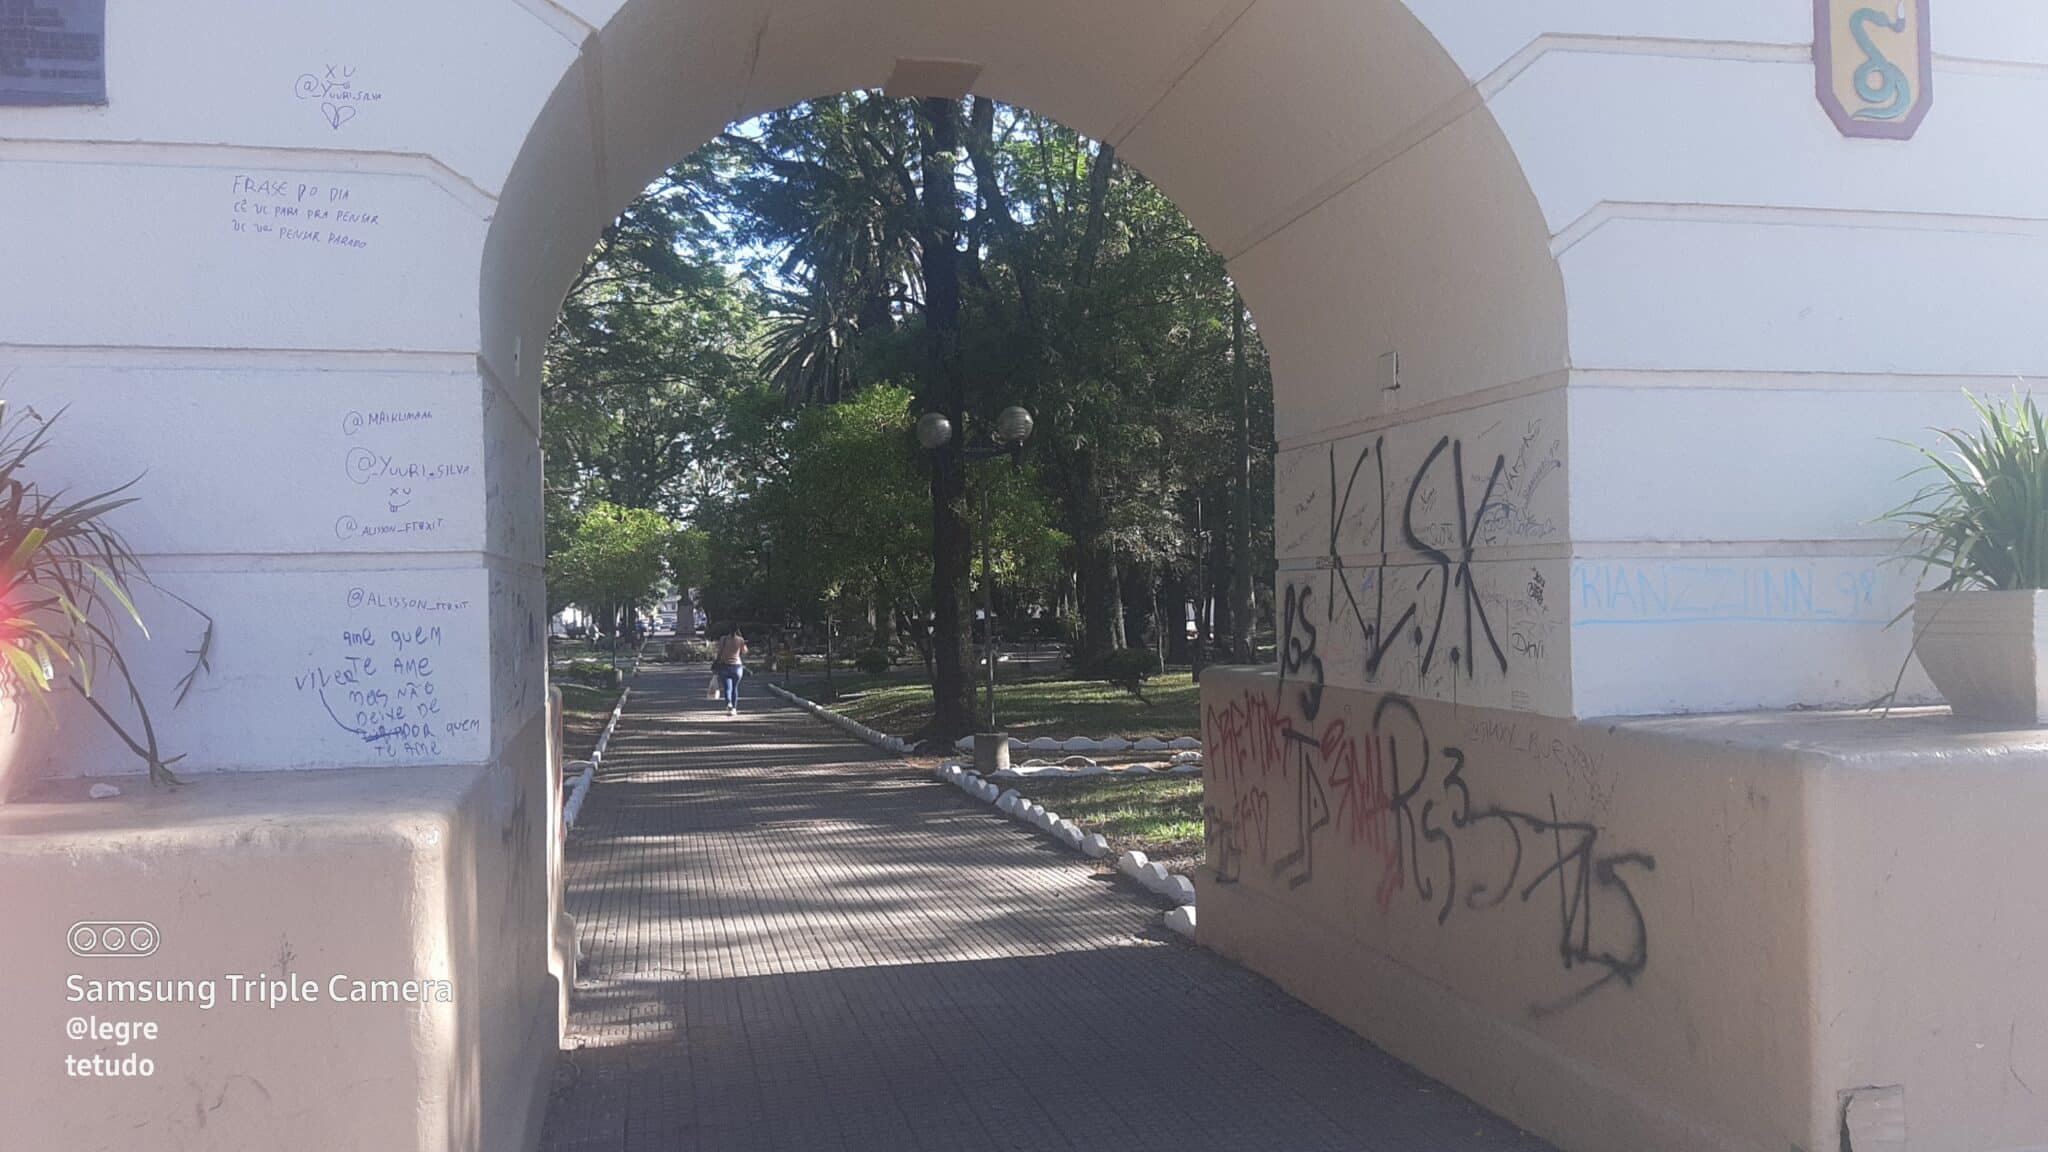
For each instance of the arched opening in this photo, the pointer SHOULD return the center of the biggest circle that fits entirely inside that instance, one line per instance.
(1375, 219)
(749, 348)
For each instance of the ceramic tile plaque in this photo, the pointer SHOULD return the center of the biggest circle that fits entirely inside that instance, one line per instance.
(53, 51)
(1876, 65)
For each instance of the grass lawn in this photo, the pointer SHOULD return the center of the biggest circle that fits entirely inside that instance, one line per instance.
(585, 711)
(1161, 817)
(1040, 706)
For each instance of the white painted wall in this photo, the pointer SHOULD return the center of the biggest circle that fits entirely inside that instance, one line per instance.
(1633, 226)
(1617, 247)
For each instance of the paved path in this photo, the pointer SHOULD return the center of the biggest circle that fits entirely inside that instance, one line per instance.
(793, 945)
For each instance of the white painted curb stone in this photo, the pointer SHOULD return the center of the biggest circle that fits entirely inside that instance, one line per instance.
(1014, 804)
(895, 745)
(1156, 877)
(1091, 744)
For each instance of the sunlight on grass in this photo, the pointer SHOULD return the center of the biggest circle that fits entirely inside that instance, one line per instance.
(1161, 816)
(585, 711)
(1040, 707)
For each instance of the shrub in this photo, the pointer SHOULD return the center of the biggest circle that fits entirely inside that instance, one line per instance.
(873, 661)
(686, 651)
(1128, 669)
(590, 674)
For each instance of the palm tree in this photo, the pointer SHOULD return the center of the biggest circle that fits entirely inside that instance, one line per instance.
(833, 192)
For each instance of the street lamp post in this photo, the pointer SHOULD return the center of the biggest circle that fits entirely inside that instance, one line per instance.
(1013, 427)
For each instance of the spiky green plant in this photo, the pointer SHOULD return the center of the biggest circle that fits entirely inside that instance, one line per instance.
(65, 585)
(1983, 517)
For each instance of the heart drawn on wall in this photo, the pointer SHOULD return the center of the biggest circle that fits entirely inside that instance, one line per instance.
(337, 114)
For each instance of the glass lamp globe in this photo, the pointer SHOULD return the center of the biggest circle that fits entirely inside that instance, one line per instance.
(1014, 426)
(934, 431)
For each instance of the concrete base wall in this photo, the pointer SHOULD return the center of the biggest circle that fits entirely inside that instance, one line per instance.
(1725, 933)
(436, 875)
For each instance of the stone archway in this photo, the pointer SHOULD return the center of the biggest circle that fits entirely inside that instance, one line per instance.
(300, 269)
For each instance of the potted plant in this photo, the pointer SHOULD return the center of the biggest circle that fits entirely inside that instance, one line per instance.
(1982, 632)
(66, 581)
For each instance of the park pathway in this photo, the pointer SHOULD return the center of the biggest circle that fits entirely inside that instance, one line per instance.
(791, 944)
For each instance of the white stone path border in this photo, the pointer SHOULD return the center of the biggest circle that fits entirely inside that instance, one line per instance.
(1153, 877)
(854, 728)
(573, 807)
(1078, 767)
(1187, 759)
(1094, 744)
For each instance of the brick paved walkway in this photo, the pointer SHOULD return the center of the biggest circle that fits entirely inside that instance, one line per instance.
(791, 944)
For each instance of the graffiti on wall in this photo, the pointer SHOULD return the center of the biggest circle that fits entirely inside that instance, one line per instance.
(1659, 593)
(1390, 802)
(1402, 595)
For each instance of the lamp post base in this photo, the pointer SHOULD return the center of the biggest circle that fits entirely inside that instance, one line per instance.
(991, 752)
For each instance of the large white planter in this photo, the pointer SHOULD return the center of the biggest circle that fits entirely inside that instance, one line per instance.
(1986, 652)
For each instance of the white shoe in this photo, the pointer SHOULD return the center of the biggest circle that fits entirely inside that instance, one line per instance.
(732, 710)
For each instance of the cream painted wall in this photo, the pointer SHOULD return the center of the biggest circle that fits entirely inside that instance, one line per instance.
(1689, 934)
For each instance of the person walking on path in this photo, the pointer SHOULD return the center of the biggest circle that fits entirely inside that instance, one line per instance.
(729, 666)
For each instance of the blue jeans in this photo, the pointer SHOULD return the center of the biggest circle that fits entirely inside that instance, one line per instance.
(729, 676)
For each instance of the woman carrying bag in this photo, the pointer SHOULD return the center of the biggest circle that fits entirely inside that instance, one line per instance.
(727, 668)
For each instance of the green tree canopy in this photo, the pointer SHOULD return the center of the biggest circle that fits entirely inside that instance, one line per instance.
(613, 560)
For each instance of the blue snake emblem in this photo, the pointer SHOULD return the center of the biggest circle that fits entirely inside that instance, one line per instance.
(1879, 82)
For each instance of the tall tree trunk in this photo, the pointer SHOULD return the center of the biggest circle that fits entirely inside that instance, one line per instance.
(1141, 602)
(1094, 563)
(945, 390)
(1223, 606)
(1118, 637)
(1002, 220)
(1241, 607)
(831, 685)
(1098, 216)
(1204, 639)
(1173, 615)
(882, 622)
(1099, 602)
